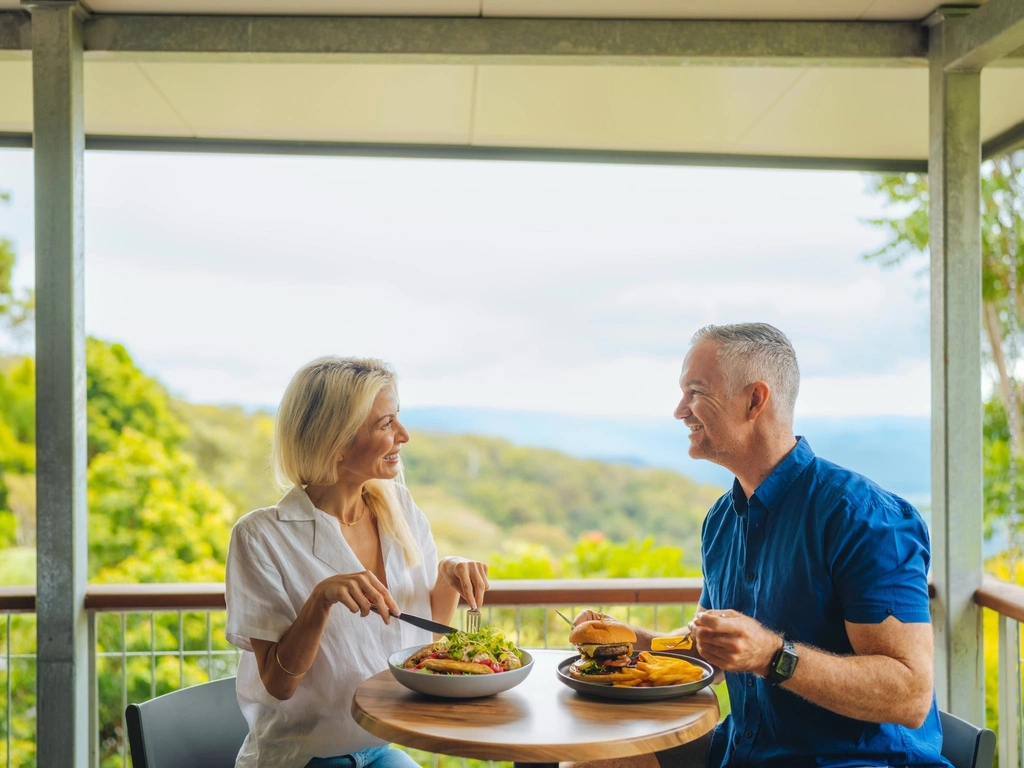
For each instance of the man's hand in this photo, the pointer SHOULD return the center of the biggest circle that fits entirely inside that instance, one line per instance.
(734, 642)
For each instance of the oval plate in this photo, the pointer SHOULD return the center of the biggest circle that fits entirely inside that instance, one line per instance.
(654, 693)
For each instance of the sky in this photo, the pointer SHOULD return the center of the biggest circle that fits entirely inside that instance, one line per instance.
(547, 287)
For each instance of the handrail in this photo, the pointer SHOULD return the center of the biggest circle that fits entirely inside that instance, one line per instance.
(205, 596)
(1001, 596)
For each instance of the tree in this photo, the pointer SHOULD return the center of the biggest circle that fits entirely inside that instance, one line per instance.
(1002, 243)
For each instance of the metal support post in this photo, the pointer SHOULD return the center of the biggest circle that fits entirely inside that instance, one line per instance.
(62, 631)
(955, 241)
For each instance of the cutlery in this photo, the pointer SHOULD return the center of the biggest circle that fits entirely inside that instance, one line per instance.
(473, 620)
(684, 642)
(416, 621)
(565, 618)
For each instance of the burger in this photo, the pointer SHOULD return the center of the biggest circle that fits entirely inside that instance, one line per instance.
(605, 647)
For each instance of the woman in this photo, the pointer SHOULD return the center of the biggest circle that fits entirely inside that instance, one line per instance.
(346, 533)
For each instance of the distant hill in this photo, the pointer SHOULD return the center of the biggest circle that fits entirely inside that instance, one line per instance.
(892, 451)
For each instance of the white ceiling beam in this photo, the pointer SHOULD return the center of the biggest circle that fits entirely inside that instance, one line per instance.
(497, 40)
(986, 36)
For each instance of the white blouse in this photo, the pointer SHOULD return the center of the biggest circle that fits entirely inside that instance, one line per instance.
(276, 557)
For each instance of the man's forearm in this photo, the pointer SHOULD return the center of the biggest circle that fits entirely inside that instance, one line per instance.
(873, 688)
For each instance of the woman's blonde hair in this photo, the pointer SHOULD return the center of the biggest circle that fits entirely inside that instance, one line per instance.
(325, 405)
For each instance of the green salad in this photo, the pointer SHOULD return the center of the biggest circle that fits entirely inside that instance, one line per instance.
(480, 652)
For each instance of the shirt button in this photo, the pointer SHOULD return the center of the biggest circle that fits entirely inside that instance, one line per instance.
(748, 734)
(750, 576)
(750, 682)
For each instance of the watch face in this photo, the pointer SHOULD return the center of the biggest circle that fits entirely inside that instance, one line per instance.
(786, 664)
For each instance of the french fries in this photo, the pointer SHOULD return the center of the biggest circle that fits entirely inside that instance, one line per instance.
(651, 670)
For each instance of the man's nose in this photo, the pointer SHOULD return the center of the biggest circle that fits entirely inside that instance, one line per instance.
(682, 410)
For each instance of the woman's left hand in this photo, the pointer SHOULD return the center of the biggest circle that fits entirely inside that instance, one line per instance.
(467, 577)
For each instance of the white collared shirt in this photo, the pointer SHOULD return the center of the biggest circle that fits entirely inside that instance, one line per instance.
(276, 557)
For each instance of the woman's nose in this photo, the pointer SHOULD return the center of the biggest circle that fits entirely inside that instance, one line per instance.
(402, 435)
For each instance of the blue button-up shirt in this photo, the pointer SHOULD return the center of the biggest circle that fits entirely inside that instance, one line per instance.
(813, 547)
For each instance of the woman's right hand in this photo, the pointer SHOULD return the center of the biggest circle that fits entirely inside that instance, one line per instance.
(358, 592)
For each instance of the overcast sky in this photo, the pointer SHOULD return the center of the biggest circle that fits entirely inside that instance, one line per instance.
(546, 287)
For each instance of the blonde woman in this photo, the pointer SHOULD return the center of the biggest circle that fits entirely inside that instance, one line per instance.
(303, 575)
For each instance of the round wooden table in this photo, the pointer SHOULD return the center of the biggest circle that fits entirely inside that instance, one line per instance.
(539, 721)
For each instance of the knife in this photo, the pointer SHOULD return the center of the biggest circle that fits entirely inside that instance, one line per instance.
(416, 621)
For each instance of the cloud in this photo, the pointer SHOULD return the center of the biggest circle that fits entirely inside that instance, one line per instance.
(544, 287)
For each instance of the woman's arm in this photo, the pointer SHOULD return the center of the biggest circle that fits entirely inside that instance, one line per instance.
(457, 576)
(284, 664)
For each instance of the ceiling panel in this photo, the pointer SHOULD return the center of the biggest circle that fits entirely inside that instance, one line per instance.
(692, 109)
(292, 7)
(121, 99)
(15, 96)
(1002, 100)
(847, 112)
(320, 102)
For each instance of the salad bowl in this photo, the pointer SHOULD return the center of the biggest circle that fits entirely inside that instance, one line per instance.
(463, 646)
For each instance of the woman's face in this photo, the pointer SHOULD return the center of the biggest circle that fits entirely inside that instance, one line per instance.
(374, 454)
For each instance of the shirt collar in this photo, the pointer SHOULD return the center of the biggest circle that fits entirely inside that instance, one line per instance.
(773, 489)
(295, 505)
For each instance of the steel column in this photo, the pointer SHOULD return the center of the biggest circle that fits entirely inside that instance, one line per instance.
(62, 633)
(955, 242)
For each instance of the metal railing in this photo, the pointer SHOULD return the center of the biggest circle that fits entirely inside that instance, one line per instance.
(171, 636)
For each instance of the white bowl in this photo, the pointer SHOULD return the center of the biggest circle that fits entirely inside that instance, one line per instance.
(456, 686)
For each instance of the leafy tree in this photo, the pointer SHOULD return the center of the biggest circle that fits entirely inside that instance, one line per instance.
(1002, 222)
(120, 396)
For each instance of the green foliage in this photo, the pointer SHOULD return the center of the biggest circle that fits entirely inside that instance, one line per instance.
(233, 448)
(120, 396)
(152, 518)
(1002, 245)
(535, 492)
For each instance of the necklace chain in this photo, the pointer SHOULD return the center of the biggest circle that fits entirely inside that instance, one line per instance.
(343, 522)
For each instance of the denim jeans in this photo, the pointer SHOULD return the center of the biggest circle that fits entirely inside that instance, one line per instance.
(375, 757)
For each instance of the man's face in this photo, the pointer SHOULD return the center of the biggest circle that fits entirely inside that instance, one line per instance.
(715, 420)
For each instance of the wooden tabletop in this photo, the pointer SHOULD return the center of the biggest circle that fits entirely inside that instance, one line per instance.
(540, 720)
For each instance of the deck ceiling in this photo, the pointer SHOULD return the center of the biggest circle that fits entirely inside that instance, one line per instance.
(835, 111)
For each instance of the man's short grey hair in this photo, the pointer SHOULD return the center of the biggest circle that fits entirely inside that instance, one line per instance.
(757, 352)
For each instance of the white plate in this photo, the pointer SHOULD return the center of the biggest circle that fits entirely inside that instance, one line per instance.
(456, 686)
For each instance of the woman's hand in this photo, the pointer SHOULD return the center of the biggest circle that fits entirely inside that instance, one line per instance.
(467, 577)
(358, 592)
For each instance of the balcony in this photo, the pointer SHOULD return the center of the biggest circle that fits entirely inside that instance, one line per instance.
(149, 639)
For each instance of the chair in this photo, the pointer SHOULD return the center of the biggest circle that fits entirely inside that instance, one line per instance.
(197, 727)
(965, 745)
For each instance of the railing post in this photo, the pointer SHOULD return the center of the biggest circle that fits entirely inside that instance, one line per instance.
(94, 695)
(954, 179)
(1009, 692)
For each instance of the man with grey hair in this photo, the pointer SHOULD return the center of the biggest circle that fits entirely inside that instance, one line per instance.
(815, 600)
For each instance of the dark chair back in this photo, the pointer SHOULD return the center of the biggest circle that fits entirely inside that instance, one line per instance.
(197, 727)
(966, 745)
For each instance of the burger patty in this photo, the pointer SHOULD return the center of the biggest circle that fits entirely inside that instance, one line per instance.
(612, 651)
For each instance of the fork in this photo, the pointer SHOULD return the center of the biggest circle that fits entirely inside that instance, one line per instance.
(473, 620)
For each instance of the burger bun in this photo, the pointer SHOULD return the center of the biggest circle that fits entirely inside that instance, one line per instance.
(600, 632)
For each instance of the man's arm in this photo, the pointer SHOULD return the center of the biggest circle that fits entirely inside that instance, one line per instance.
(887, 680)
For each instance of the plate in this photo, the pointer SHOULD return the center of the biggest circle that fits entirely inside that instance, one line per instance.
(654, 693)
(456, 686)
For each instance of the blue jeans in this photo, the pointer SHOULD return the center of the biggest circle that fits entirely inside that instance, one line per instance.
(375, 757)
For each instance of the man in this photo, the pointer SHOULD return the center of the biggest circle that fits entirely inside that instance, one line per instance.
(815, 600)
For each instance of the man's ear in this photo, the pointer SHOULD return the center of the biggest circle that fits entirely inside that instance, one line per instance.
(758, 399)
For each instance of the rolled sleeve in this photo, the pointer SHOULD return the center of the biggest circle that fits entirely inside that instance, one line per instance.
(257, 603)
(880, 565)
